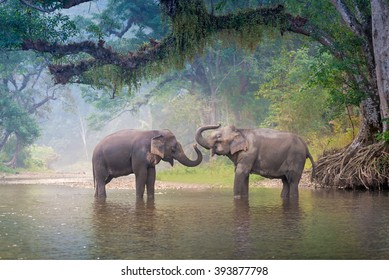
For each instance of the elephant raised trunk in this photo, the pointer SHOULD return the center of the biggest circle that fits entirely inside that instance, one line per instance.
(201, 140)
(183, 159)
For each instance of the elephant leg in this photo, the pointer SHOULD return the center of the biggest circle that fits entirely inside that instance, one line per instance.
(140, 182)
(241, 181)
(293, 183)
(150, 182)
(285, 188)
(294, 192)
(100, 192)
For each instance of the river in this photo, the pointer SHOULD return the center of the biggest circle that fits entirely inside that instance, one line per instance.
(61, 222)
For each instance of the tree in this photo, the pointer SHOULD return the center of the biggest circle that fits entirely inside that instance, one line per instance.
(354, 32)
(24, 95)
(22, 100)
(225, 80)
(296, 103)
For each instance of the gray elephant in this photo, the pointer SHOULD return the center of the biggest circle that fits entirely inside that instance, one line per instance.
(270, 153)
(136, 151)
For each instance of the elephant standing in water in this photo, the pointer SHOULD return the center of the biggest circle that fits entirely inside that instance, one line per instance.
(136, 151)
(269, 153)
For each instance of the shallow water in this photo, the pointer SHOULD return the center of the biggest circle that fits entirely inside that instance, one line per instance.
(59, 222)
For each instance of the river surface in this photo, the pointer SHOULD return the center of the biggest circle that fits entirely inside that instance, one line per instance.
(60, 222)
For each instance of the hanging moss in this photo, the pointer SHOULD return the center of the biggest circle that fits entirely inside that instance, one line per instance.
(113, 78)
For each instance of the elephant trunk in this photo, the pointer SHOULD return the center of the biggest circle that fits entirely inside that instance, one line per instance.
(200, 139)
(183, 159)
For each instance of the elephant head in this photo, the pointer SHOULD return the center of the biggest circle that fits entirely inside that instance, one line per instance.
(166, 146)
(222, 141)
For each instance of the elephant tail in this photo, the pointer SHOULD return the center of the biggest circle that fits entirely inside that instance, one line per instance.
(313, 174)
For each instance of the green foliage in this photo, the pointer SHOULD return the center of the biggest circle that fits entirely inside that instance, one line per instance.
(15, 119)
(21, 105)
(31, 158)
(298, 104)
(191, 29)
(95, 31)
(40, 158)
(331, 74)
(384, 136)
(137, 20)
(125, 26)
(5, 169)
(19, 22)
(337, 74)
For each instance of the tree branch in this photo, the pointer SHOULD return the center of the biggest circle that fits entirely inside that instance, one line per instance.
(348, 17)
(97, 51)
(39, 8)
(65, 4)
(46, 99)
(100, 56)
(297, 24)
(123, 31)
(154, 51)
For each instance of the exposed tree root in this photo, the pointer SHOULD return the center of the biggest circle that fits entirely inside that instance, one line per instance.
(363, 167)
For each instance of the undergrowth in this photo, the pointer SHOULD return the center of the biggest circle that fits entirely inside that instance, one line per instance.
(5, 169)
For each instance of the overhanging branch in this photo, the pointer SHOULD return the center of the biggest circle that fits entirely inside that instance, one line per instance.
(157, 51)
(43, 7)
(100, 56)
(299, 25)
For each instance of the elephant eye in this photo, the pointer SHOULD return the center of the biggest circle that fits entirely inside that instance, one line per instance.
(218, 136)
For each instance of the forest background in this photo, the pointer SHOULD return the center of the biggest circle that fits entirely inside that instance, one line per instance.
(253, 77)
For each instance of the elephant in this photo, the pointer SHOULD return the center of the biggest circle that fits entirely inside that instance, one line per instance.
(270, 153)
(136, 151)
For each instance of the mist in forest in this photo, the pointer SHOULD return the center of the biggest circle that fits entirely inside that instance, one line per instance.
(226, 84)
(69, 131)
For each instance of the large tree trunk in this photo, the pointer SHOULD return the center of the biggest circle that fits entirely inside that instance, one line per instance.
(371, 123)
(380, 31)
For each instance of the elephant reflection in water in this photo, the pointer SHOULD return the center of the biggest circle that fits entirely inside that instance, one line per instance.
(135, 151)
(281, 229)
(120, 229)
(242, 226)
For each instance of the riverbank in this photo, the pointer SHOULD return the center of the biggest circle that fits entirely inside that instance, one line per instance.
(85, 180)
(81, 180)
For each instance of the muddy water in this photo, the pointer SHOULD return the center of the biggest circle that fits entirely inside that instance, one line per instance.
(59, 222)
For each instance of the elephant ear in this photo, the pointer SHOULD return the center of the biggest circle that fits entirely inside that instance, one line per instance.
(158, 146)
(239, 143)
